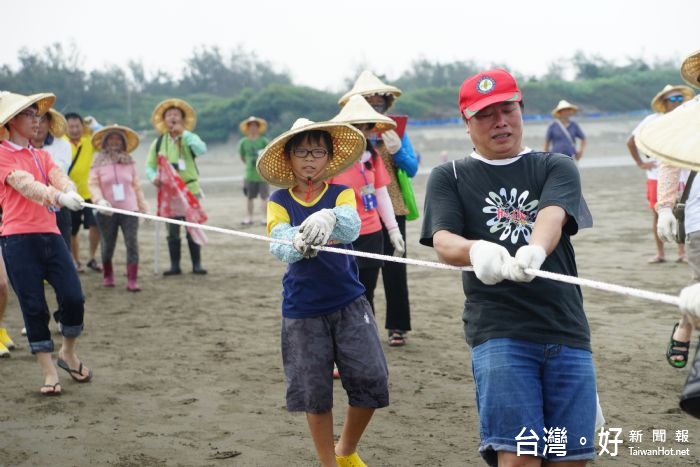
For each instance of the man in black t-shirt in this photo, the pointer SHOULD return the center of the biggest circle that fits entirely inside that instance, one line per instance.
(502, 210)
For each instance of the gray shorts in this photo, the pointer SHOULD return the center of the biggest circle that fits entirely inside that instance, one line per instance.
(253, 189)
(347, 337)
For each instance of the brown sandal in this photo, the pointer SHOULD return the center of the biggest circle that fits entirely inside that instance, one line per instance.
(54, 390)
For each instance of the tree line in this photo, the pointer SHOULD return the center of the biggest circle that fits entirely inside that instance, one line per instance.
(225, 87)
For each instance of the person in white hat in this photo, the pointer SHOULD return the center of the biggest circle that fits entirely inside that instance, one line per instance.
(326, 318)
(114, 182)
(174, 121)
(563, 134)
(249, 148)
(398, 154)
(32, 188)
(663, 102)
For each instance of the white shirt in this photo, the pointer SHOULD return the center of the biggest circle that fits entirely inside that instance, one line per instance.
(60, 152)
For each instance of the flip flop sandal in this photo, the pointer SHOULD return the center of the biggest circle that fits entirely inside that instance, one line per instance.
(397, 339)
(656, 260)
(64, 366)
(53, 391)
(677, 348)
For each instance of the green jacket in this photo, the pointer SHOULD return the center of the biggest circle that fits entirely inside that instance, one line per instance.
(187, 146)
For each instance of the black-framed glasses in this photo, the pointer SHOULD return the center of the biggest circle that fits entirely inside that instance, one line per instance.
(316, 153)
(677, 98)
(29, 114)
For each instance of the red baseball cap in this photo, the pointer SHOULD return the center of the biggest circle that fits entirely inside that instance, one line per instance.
(486, 88)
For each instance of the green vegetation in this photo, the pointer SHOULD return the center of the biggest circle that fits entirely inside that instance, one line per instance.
(225, 88)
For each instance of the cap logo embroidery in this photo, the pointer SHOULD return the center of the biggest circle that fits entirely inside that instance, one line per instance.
(485, 85)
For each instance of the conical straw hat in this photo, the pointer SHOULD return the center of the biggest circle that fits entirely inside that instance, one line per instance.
(563, 104)
(674, 137)
(367, 84)
(357, 110)
(57, 123)
(690, 69)
(262, 124)
(11, 104)
(657, 103)
(189, 122)
(348, 144)
(132, 139)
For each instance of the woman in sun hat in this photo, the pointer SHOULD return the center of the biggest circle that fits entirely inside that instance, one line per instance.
(175, 120)
(563, 132)
(369, 178)
(52, 127)
(326, 319)
(115, 183)
(397, 153)
(250, 146)
(32, 188)
(663, 102)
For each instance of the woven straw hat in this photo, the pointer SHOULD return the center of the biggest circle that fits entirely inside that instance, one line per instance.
(189, 122)
(358, 110)
(348, 144)
(132, 139)
(674, 136)
(57, 123)
(657, 103)
(367, 84)
(11, 104)
(563, 104)
(243, 126)
(690, 69)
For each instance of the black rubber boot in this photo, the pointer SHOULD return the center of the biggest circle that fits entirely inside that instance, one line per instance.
(174, 249)
(196, 254)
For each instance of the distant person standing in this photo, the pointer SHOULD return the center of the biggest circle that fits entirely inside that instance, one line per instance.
(52, 128)
(79, 171)
(563, 133)
(396, 151)
(665, 101)
(250, 146)
(175, 119)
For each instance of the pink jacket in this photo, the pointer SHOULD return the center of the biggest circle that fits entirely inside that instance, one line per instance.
(108, 171)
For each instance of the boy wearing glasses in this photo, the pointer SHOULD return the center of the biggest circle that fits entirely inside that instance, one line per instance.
(326, 318)
(665, 101)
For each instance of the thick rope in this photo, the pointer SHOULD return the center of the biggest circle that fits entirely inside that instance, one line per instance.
(619, 289)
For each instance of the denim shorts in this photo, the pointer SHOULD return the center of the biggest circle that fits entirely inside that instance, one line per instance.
(524, 388)
(347, 337)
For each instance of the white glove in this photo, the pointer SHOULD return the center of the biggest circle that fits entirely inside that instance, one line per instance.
(490, 261)
(71, 200)
(397, 242)
(105, 203)
(667, 225)
(527, 257)
(303, 248)
(391, 141)
(317, 228)
(689, 302)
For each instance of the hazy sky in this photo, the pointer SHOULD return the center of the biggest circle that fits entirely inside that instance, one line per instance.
(322, 42)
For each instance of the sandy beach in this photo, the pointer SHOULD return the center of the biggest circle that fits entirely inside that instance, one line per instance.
(188, 372)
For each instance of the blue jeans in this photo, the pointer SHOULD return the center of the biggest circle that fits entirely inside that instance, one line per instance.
(31, 258)
(523, 386)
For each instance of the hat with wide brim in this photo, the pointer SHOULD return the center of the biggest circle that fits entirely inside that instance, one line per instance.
(357, 110)
(562, 105)
(348, 144)
(367, 84)
(132, 139)
(657, 103)
(262, 124)
(690, 69)
(11, 104)
(674, 137)
(57, 123)
(189, 122)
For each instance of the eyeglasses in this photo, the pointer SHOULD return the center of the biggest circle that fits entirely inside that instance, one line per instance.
(317, 153)
(29, 114)
(677, 98)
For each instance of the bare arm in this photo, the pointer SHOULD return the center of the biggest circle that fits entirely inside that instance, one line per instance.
(451, 248)
(632, 148)
(547, 229)
(582, 147)
(546, 145)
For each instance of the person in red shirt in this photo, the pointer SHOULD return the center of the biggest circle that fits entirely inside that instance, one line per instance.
(32, 189)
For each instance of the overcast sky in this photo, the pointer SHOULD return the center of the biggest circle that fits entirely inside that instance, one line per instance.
(322, 42)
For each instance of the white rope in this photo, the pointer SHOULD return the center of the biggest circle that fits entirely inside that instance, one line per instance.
(619, 289)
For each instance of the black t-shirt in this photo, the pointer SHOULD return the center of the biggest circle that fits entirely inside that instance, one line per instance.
(498, 201)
